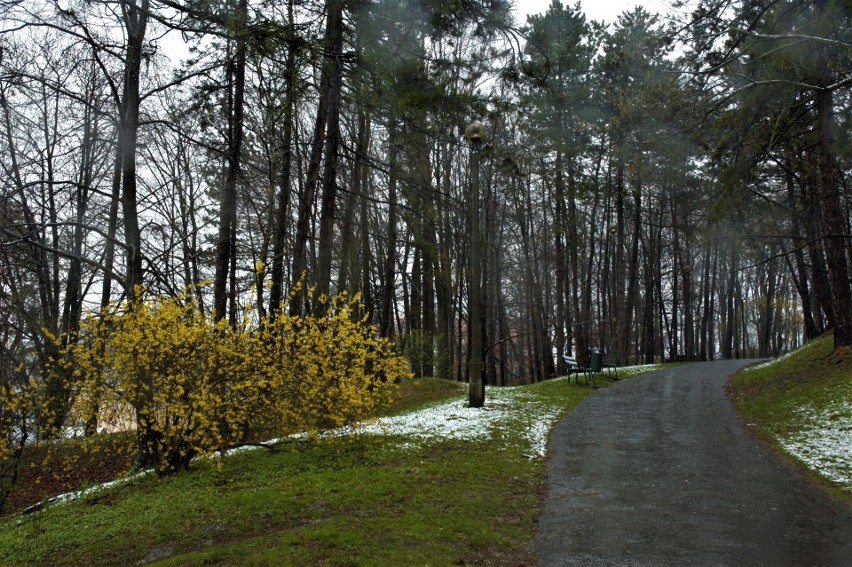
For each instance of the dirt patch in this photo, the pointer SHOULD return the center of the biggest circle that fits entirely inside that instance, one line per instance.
(56, 468)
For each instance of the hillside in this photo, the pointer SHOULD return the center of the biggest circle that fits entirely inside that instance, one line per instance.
(802, 405)
(444, 484)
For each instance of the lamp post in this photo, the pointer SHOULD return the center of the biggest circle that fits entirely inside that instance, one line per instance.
(475, 132)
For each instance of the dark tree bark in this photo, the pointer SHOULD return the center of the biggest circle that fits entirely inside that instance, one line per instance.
(560, 222)
(333, 66)
(348, 280)
(620, 304)
(386, 326)
(443, 273)
(835, 224)
(823, 310)
(135, 23)
(226, 245)
(109, 260)
(576, 325)
(706, 313)
(276, 291)
(730, 295)
(632, 271)
(800, 273)
(307, 192)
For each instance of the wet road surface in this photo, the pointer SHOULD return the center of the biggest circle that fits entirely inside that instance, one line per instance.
(659, 470)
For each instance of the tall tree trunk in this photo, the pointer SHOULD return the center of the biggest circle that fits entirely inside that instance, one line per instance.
(414, 307)
(334, 67)
(386, 326)
(109, 263)
(764, 345)
(561, 261)
(276, 291)
(226, 240)
(633, 270)
(620, 304)
(135, 22)
(650, 301)
(835, 223)
(72, 310)
(428, 289)
(730, 293)
(711, 333)
(688, 307)
(366, 251)
(800, 273)
(823, 309)
(576, 325)
(675, 322)
(583, 327)
(443, 273)
(705, 311)
(307, 192)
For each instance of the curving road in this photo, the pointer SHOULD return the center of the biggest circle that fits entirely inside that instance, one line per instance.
(659, 470)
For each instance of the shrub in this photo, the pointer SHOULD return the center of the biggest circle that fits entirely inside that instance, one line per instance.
(328, 371)
(15, 406)
(194, 385)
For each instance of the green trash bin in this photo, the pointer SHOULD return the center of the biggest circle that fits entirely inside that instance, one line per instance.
(596, 362)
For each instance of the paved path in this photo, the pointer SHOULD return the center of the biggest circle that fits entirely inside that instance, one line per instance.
(658, 470)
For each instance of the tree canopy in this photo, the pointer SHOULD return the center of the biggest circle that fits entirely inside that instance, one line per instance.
(670, 186)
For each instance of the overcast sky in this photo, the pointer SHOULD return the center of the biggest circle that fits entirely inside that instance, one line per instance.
(600, 10)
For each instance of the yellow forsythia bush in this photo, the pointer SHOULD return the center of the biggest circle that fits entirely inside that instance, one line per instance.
(15, 404)
(193, 385)
(165, 368)
(327, 371)
(10, 402)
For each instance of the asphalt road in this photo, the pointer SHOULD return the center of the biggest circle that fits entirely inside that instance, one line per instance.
(659, 470)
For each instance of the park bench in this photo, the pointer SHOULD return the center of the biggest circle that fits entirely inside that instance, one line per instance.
(575, 369)
(597, 365)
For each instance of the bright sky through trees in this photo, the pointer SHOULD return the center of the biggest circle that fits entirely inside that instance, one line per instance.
(600, 10)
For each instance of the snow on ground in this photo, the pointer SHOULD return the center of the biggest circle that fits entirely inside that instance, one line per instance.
(504, 407)
(824, 444)
(69, 496)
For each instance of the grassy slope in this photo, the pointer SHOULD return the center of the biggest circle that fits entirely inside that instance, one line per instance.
(364, 501)
(779, 400)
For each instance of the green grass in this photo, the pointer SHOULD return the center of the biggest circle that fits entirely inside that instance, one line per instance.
(415, 394)
(348, 501)
(798, 399)
(373, 500)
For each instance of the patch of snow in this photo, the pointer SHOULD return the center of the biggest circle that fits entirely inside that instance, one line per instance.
(824, 444)
(630, 371)
(504, 407)
(69, 496)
